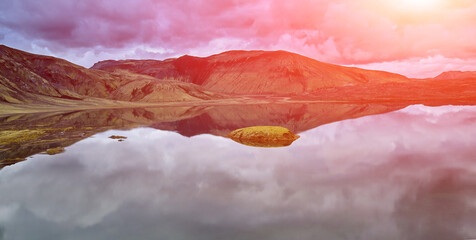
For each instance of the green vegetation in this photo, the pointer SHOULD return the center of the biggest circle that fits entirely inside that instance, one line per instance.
(51, 140)
(12, 160)
(20, 136)
(14, 136)
(20, 139)
(54, 151)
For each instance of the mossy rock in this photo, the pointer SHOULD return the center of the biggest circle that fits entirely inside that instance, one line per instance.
(264, 136)
(54, 151)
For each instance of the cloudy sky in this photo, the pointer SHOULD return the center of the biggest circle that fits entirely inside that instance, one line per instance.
(418, 38)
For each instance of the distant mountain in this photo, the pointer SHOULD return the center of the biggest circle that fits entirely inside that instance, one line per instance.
(27, 78)
(456, 75)
(245, 76)
(253, 72)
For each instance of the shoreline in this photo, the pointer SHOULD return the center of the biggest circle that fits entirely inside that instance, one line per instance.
(8, 109)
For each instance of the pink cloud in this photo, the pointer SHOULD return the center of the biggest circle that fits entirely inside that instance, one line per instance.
(419, 67)
(367, 32)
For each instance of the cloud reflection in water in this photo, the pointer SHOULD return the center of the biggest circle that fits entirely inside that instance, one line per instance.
(409, 174)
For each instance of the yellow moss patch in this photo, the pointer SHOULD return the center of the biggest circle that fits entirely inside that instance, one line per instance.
(19, 136)
(13, 118)
(53, 151)
(12, 160)
(58, 129)
(9, 161)
(52, 140)
(11, 99)
(264, 136)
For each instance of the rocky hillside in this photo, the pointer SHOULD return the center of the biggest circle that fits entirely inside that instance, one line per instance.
(253, 72)
(26, 78)
(30, 78)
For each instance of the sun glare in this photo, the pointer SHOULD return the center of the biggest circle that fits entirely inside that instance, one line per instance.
(419, 5)
(409, 10)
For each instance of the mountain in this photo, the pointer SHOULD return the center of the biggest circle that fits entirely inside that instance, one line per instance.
(283, 73)
(253, 72)
(31, 78)
(451, 75)
(44, 83)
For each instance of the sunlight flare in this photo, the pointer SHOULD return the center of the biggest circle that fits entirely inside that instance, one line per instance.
(418, 5)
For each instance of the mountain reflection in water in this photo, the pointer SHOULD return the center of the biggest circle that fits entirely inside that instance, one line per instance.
(35, 133)
(408, 174)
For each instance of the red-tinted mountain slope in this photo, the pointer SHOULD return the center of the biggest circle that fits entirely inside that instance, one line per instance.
(253, 72)
(457, 75)
(26, 78)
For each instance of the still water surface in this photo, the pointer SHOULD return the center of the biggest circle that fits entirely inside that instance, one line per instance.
(408, 174)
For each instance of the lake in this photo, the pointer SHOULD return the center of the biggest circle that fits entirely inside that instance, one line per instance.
(358, 171)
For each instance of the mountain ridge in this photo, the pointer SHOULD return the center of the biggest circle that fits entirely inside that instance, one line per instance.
(24, 75)
(236, 76)
(451, 75)
(253, 72)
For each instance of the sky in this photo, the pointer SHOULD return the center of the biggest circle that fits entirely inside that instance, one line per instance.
(416, 38)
